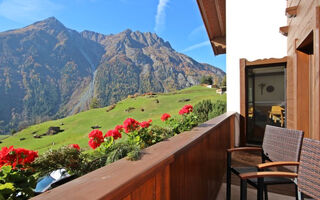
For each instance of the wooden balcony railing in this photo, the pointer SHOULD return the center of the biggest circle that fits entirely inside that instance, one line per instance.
(188, 166)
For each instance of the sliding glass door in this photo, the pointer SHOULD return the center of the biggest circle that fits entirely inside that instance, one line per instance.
(265, 100)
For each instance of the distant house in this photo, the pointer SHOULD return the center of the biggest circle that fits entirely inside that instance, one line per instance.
(221, 91)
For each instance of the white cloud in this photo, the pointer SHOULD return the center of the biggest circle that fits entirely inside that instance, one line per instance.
(161, 15)
(28, 10)
(196, 46)
(196, 31)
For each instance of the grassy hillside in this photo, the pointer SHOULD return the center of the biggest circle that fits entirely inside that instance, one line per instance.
(77, 127)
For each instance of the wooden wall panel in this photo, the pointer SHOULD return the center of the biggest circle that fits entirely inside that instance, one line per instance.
(291, 93)
(306, 21)
(315, 79)
(303, 92)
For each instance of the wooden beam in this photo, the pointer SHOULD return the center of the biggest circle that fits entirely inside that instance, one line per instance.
(221, 14)
(219, 41)
(284, 30)
(291, 11)
(266, 61)
(213, 13)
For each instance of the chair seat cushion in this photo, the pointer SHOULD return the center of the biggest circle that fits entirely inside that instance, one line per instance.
(254, 181)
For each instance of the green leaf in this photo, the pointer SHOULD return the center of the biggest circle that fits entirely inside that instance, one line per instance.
(7, 186)
(6, 169)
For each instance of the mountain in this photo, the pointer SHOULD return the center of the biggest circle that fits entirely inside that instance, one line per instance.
(48, 71)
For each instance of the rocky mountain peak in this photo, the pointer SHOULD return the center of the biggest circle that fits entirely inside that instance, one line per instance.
(126, 32)
(49, 23)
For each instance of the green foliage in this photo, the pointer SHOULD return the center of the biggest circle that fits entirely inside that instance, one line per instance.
(16, 183)
(224, 82)
(206, 110)
(95, 103)
(65, 157)
(134, 155)
(202, 110)
(185, 123)
(79, 163)
(153, 135)
(218, 108)
(122, 149)
(206, 80)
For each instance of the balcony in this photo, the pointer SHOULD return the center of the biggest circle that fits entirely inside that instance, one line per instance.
(191, 165)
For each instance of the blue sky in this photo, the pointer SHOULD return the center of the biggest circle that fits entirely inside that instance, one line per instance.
(176, 21)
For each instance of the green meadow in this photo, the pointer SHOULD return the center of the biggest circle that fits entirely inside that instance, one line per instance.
(77, 127)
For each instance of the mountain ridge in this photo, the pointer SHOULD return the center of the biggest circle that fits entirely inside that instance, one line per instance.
(49, 71)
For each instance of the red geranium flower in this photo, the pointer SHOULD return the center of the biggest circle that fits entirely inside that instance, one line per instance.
(118, 128)
(186, 109)
(130, 125)
(114, 133)
(165, 117)
(96, 138)
(76, 146)
(145, 124)
(14, 157)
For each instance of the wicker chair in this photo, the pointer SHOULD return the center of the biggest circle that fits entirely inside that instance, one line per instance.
(279, 144)
(308, 175)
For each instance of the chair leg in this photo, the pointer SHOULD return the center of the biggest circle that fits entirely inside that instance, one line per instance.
(265, 192)
(228, 176)
(243, 189)
(301, 196)
(260, 189)
(298, 194)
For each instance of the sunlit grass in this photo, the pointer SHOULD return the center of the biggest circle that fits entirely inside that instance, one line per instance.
(77, 127)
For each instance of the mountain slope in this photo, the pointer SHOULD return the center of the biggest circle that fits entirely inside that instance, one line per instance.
(77, 127)
(48, 71)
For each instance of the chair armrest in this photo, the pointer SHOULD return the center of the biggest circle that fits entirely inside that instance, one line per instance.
(276, 164)
(245, 149)
(267, 174)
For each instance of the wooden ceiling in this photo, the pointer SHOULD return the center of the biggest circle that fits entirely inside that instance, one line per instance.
(213, 13)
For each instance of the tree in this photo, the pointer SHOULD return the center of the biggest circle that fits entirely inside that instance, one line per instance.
(206, 80)
(94, 103)
(224, 82)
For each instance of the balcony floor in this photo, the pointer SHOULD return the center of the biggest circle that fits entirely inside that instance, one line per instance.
(281, 192)
(251, 195)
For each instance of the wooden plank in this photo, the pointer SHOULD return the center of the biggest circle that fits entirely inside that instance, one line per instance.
(291, 11)
(266, 61)
(316, 83)
(243, 100)
(291, 87)
(232, 132)
(127, 198)
(192, 178)
(177, 183)
(303, 93)
(214, 18)
(145, 191)
(163, 184)
(284, 30)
